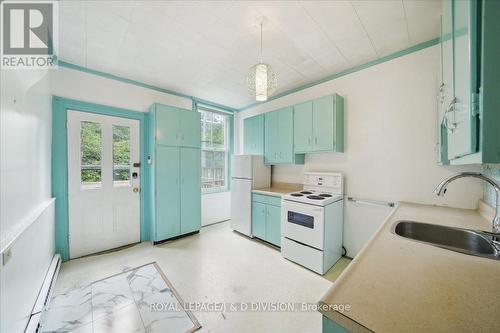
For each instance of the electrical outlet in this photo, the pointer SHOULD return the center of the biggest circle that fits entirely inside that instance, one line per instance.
(6, 256)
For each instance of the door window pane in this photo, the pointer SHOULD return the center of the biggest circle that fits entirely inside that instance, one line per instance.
(121, 155)
(91, 152)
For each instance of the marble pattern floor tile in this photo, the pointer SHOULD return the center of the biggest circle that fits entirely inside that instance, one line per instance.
(69, 311)
(121, 303)
(110, 295)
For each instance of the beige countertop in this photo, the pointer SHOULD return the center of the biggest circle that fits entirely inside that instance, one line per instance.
(278, 189)
(398, 285)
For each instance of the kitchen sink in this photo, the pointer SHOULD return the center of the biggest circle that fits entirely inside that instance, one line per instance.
(472, 242)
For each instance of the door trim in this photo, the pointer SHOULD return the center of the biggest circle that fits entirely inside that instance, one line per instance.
(60, 107)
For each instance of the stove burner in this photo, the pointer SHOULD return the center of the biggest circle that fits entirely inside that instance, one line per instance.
(315, 197)
(296, 195)
(306, 192)
(324, 195)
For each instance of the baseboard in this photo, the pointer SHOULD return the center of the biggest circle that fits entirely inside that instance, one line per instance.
(174, 238)
(44, 295)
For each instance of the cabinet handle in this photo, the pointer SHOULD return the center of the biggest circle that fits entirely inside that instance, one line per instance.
(316, 140)
(280, 154)
(309, 141)
(177, 136)
(182, 137)
(450, 126)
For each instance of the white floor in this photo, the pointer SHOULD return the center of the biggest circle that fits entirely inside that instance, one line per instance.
(217, 266)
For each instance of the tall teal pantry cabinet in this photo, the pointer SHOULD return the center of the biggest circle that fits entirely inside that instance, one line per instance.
(174, 160)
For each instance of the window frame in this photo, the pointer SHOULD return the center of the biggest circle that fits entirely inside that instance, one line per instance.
(226, 150)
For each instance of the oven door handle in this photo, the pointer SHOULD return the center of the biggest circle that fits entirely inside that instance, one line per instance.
(302, 209)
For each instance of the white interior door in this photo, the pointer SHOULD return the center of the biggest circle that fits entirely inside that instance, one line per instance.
(103, 184)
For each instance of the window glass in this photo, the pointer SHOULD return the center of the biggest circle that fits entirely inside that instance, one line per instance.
(214, 153)
(91, 153)
(121, 155)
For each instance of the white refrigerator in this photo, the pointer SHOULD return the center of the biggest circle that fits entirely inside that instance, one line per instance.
(248, 172)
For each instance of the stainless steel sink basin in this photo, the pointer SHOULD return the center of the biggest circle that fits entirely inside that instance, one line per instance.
(472, 242)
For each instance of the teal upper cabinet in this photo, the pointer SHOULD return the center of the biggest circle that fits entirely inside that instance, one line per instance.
(278, 134)
(190, 128)
(253, 131)
(167, 124)
(177, 127)
(303, 127)
(468, 102)
(319, 125)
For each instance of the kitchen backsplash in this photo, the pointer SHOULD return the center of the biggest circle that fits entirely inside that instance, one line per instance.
(492, 170)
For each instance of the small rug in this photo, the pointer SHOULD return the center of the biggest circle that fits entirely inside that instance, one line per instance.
(139, 300)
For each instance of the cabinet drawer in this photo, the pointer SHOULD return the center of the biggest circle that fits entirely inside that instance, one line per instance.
(267, 199)
(259, 198)
(275, 201)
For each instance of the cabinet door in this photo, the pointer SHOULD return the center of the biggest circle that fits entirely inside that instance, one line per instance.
(190, 129)
(463, 139)
(323, 123)
(285, 135)
(254, 135)
(273, 225)
(167, 125)
(167, 200)
(190, 189)
(259, 220)
(302, 127)
(271, 122)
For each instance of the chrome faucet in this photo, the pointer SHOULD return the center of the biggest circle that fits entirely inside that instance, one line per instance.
(441, 190)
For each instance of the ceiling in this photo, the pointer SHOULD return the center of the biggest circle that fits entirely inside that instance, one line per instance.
(205, 49)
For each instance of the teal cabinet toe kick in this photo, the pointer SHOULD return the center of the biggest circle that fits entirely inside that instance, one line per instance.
(157, 242)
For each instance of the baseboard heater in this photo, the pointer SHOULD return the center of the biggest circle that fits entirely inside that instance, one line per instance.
(44, 295)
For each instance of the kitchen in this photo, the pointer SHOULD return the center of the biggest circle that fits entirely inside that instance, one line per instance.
(312, 203)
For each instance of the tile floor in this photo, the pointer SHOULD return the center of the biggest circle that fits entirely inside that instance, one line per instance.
(121, 303)
(215, 266)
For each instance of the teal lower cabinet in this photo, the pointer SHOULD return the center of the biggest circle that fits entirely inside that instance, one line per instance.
(266, 218)
(259, 220)
(190, 185)
(329, 326)
(273, 224)
(177, 192)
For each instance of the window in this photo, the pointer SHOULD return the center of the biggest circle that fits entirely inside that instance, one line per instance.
(90, 152)
(214, 151)
(121, 155)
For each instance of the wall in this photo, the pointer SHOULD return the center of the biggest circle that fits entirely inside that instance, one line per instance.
(87, 87)
(26, 212)
(390, 134)
(215, 207)
(492, 170)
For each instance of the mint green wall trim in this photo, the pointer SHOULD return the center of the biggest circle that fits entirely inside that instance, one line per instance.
(354, 69)
(68, 65)
(60, 106)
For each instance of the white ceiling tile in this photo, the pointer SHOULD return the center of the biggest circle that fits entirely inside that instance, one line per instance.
(423, 17)
(385, 24)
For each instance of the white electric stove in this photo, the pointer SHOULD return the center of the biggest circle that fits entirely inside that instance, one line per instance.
(312, 222)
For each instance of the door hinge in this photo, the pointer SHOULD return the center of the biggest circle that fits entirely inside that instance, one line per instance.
(475, 104)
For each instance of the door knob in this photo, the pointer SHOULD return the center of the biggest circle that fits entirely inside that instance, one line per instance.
(135, 189)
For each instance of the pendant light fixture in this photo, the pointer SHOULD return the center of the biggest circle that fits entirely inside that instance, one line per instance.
(261, 79)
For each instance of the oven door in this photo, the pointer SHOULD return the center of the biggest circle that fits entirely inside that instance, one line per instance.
(303, 223)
